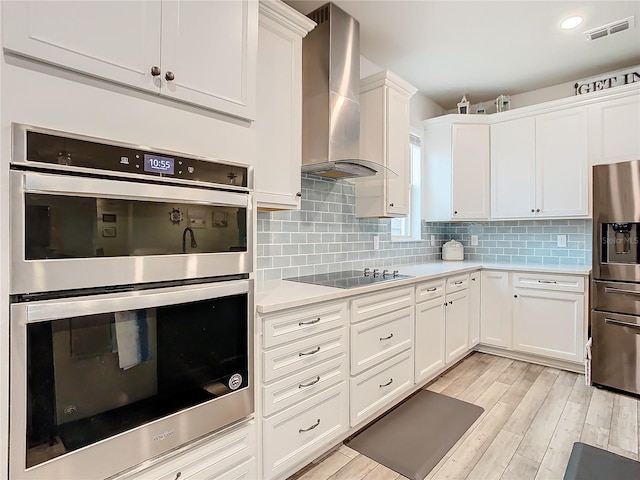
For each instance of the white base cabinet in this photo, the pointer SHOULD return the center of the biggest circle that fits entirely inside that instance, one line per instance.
(475, 294)
(456, 326)
(430, 329)
(382, 346)
(495, 309)
(228, 455)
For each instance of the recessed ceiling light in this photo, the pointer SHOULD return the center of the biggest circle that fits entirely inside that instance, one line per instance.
(571, 22)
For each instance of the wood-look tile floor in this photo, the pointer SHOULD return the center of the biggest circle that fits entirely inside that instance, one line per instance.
(532, 416)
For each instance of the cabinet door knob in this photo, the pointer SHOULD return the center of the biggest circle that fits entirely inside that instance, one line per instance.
(391, 204)
(532, 210)
(537, 210)
(169, 76)
(299, 194)
(455, 212)
(155, 71)
(515, 296)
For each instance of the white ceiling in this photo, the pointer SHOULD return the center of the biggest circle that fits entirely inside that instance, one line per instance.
(483, 48)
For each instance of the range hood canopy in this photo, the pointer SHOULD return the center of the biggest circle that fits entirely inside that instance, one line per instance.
(331, 98)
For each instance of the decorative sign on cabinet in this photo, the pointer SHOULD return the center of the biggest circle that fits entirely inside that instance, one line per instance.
(152, 46)
(384, 139)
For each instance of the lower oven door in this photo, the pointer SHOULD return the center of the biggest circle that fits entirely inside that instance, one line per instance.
(102, 383)
(616, 350)
(71, 232)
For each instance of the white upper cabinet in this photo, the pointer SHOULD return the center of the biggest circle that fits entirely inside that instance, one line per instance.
(614, 130)
(470, 172)
(202, 53)
(539, 166)
(562, 166)
(513, 169)
(279, 117)
(456, 171)
(384, 139)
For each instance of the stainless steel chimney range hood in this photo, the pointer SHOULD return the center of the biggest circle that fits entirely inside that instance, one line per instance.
(330, 98)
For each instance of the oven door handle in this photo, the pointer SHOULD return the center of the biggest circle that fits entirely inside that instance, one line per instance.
(104, 188)
(618, 323)
(620, 291)
(133, 300)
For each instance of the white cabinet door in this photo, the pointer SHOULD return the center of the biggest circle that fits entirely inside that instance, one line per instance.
(562, 166)
(549, 323)
(613, 130)
(429, 338)
(495, 309)
(470, 171)
(118, 41)
(474, 308)
(513, 171)
(398, 152)
(457, 325)
(384, 139)
(279, 113)
(210, 48)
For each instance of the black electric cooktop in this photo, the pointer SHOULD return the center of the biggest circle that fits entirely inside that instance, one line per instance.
(349, 278)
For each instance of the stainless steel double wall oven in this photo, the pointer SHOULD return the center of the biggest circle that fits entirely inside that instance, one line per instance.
(131, 304)
(615, 299)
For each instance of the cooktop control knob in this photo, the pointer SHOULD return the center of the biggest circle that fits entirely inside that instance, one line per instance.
(366, 272)
(385, 273)
(375, 272)
(396, 273)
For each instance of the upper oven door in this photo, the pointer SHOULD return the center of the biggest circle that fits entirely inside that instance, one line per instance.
(71, 232)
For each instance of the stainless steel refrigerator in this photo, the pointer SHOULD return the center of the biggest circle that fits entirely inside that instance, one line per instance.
(615, 293)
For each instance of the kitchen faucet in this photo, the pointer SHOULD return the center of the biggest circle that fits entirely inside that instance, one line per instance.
(184, 239)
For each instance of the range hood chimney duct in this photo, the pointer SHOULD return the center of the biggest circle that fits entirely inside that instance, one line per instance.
(331, 97)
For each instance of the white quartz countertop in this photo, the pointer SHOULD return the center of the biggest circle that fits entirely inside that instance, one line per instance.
(275, 295)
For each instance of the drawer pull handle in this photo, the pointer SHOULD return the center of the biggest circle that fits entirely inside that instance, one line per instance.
(310, 428)
(618, 323)
(620, 290)
(387, 338)
(178, 475)
(459, 282)
(302, 385)
(387, 384)
(315, 350)
(310, 322)
(547, 281)
(433, 289)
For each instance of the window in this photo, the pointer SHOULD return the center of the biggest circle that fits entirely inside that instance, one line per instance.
(408, 228)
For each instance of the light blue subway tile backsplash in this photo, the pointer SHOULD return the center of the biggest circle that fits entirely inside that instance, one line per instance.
(324, 236)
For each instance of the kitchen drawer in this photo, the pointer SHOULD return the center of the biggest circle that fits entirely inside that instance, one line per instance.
(457, 283)
(380, 338)
(310, 427)
(287, 359)
(303, 322)
(373, 305)
(247, 470)
(297, 387)
(376, 388)
(544, 281)
(430, 290)
(208, 459)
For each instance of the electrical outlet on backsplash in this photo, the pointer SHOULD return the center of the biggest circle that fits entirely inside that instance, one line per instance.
(324, 236)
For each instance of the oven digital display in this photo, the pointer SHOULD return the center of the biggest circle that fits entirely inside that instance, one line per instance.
(156, 164)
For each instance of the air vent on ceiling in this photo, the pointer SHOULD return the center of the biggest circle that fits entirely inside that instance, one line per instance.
(610, 28)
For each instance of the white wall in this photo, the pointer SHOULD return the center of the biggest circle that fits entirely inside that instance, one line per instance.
(420, 107)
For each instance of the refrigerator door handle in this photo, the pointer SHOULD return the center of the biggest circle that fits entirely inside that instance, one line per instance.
(611, 321)
(621, 291)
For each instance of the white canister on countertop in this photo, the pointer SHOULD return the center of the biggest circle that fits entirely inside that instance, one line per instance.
(452, 250)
